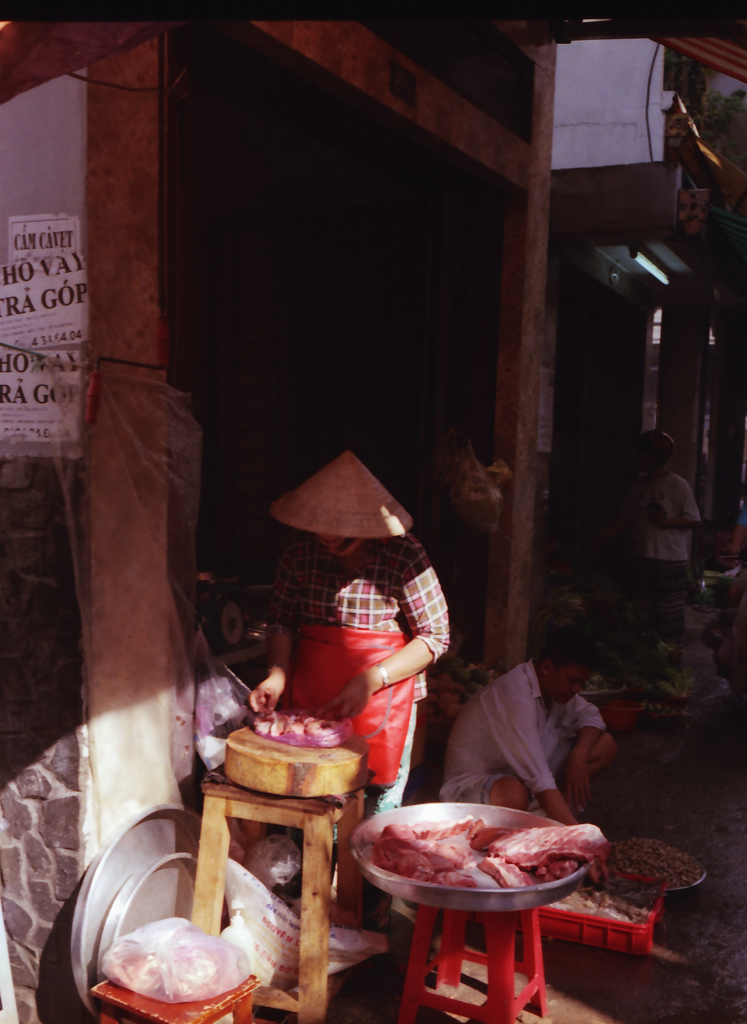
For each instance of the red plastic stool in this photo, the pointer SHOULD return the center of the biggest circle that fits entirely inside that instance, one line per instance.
(501, 1005)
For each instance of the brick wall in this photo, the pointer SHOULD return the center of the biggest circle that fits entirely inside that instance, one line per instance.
(41, 710)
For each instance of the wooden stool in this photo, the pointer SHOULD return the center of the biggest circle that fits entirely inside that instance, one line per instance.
(317, 818)
(501, 1005)
(120, 1003)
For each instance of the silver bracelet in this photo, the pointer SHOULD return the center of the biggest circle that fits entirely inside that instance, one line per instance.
(384, 675)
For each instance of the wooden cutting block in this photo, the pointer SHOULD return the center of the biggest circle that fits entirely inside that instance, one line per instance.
(271, 767)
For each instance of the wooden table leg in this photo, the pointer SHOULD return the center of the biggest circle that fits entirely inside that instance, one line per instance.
(314, 943)
(349, 878)
(210, 881)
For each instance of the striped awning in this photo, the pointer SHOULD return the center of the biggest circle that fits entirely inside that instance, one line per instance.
(725, 55)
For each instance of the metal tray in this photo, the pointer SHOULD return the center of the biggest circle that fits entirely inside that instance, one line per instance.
(488, 897)
(144, 873)
(686, 888)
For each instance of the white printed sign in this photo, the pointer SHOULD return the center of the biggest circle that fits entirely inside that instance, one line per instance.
(42, 235)
(43, 333)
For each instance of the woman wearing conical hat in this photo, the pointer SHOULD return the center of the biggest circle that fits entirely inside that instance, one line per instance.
(361, 596)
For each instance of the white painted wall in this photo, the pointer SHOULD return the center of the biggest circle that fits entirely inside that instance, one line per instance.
(43, 154)
(600, 103)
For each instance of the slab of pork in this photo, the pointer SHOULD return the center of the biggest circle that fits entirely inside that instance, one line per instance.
(549, 853)
(400, 850)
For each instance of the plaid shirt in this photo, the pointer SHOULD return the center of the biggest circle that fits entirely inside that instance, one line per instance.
(395, 591)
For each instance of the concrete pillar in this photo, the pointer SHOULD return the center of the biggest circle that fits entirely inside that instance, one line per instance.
(684, 338)
(129, 670)
(726, 449)
(544, 452)
(521, 342)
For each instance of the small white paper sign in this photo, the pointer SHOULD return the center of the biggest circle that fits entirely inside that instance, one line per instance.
(43, 313)
(42, 235)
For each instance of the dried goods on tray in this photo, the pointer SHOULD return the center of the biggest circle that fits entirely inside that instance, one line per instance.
(617, 899)
(654, 859)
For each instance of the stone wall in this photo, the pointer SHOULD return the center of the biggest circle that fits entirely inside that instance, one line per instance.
(41, 712)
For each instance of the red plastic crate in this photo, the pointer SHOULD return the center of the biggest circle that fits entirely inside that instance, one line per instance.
(601, 931)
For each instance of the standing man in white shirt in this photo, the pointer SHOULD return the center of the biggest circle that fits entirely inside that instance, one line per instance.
(530, 734)
(661, 509)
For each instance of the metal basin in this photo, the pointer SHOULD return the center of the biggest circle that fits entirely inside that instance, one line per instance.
(488, 897)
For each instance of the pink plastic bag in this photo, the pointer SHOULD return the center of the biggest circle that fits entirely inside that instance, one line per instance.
(175, 961)
(302, 728)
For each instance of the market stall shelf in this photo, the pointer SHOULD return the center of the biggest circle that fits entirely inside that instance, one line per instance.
(317, 817)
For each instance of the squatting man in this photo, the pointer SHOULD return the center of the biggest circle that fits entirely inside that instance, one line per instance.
(529, 738)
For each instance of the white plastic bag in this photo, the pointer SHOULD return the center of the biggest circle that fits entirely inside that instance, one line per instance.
(277, 933)
(220, 704)
(175, 961)
(274, 860)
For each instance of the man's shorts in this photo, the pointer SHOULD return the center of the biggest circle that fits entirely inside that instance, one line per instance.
(478, 792)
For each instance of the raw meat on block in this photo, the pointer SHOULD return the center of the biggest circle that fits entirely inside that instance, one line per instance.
(302, 728)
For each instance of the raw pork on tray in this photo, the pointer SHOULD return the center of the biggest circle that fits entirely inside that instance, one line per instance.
(427, 852)
(446, 853)
(528, 856)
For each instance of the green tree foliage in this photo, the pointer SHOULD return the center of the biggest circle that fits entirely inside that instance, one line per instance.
(712, 112)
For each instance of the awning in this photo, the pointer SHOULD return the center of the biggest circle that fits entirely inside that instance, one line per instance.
(725, 55)
(34, 52)
(709, 169)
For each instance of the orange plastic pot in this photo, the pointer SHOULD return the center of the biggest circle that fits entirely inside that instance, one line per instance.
(621, 715)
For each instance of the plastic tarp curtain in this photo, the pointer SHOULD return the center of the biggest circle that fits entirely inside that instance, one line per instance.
(132, 515)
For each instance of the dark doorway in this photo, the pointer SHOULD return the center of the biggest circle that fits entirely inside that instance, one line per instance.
(599, 379)
(336, 286)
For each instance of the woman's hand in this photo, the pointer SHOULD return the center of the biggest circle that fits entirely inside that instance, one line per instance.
(352, 699)
(266, 694)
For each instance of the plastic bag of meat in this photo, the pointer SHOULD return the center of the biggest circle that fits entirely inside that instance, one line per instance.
(302, 728)
(175, 961)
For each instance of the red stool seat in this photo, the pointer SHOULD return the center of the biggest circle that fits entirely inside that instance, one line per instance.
(501, 1005)
(118, 1004)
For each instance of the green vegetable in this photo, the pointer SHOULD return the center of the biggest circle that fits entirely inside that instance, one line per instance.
(479, 676)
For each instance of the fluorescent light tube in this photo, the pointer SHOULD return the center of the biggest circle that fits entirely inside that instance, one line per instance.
(646, 263)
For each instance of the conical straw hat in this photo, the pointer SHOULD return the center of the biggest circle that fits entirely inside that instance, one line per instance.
(343, 499)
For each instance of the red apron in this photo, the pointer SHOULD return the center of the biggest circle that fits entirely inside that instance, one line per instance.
(327, 658)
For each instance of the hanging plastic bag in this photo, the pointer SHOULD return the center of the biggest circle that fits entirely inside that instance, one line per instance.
(175, 961)
(474, 492)
(220, 704)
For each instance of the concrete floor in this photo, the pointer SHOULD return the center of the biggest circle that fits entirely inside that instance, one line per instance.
(686, 788)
